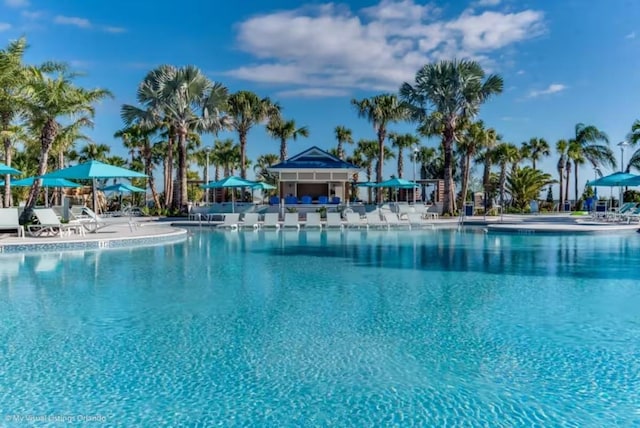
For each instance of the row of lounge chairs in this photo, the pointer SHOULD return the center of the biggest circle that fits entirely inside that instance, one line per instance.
(627, 213)
(333, 220)
(48, 223)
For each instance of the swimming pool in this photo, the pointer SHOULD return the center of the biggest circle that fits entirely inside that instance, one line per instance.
(327, 328)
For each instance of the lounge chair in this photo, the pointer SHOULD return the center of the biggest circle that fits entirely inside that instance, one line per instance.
(271, 220)
(9, 220)
(291, 220)
(392, 220)
(374, 220)
(334, 221)
(313, 220)
(49, 224)
(87, 218)
(230, 221)
(354, 220)
(415, 219)
(250, 220)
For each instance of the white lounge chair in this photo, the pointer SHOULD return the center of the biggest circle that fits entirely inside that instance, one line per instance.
(392, 220)
(291, 220)
(374, 220)
(334, 221)
(250, 220)
(9, 220)
(230, 221)
(416, 220)
(49, 224)
(354, 220)
(271, 220)
(313, 220)
(85, 216)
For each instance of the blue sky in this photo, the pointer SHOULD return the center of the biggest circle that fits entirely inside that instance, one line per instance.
(562, 62)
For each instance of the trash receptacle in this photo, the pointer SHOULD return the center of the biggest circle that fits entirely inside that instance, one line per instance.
(468, 209)
(567, 206)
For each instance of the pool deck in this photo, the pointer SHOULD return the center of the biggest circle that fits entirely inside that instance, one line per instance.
(149, 231)
(116, 233)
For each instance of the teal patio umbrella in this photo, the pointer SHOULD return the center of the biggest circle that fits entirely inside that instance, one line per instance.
(123, 188)
(229, 182)
(92, 170)
(397, 183)
(617, 179)
(5, 169)
(46, 183)
(261, 185)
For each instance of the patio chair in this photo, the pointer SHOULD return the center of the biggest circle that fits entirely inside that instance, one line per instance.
(335, 200)
(323, 200)
(334, 221)
(354, 220)
(9, 220)
(271, 220)
(230, 221)
(250, 220)
(393, 220)
(291, 220)
(374, 220)
(313, 220)
(274, 200)
(87, 218)
(290, 200)
(49, 224)
(416, 220)
(306, 199)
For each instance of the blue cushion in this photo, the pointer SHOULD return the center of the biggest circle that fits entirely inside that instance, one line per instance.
(290, 200)
(323, 200)
(274, 200)
(335, 200)
(306, 199)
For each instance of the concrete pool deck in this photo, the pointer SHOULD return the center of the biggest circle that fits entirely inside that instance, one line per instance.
(116, 233)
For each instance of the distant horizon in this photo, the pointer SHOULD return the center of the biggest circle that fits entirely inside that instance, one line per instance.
(314, 58)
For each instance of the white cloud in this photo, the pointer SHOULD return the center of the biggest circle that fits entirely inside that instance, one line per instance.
(72, 20)
(485, 3)
(312, 93)
(631, 35)
(551, 89)
(16, 3)
(4, 26)
(115, 30)
(375, 48)
(520, 72)
(32, 15)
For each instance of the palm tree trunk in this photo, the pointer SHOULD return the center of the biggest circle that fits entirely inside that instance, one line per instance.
(561, 206)
(340, 152)
(242, 134)
(465, 178)
(168, 172)
(369, 189)
(47, 137)
(7, 178)
(400, 163)
(382, 133)
(566, 183)
(447, 143)
(486, 180)
(181, 203)
(148, 170)
(503, 180)
(283, 149)
(575, 182)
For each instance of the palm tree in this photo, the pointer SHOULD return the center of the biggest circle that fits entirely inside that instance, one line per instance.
(525, 185)
(50, 99)
(260, 168)
(366, 153)
(561, 148)
(633, 138)
(445, 96)
(475, 138)
(93, 151)
(285, 130)
(589, 144)
(425, 156)
(535, 149)
(504, 154)
(246, 110)
(343, 136)
(380, 111)
(401, 142)
(139, 138)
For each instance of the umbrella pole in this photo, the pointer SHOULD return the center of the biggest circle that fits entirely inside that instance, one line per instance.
(94, 191)
(233, 200)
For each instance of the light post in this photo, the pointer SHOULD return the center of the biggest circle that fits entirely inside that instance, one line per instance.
(206, 178)
(415, 158)
(622, 145)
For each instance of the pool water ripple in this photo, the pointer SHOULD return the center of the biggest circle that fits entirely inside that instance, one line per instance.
(328, 328)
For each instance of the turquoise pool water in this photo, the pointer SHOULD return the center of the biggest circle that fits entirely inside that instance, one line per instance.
(327, 329)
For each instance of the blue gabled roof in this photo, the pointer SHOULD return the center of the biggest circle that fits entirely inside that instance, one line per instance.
(314, 158)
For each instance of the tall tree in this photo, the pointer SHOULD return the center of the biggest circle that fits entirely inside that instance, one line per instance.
(247, 110)
(380, 111)
(402, 142)
(592, 145)
(53, 98)
(474, 139)
(94, 151)
(561, 148)
(505, 154)
(343, 136)
(260, 168)
(536, 148)
(283, 130)
(444, 96)
(366, 152)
